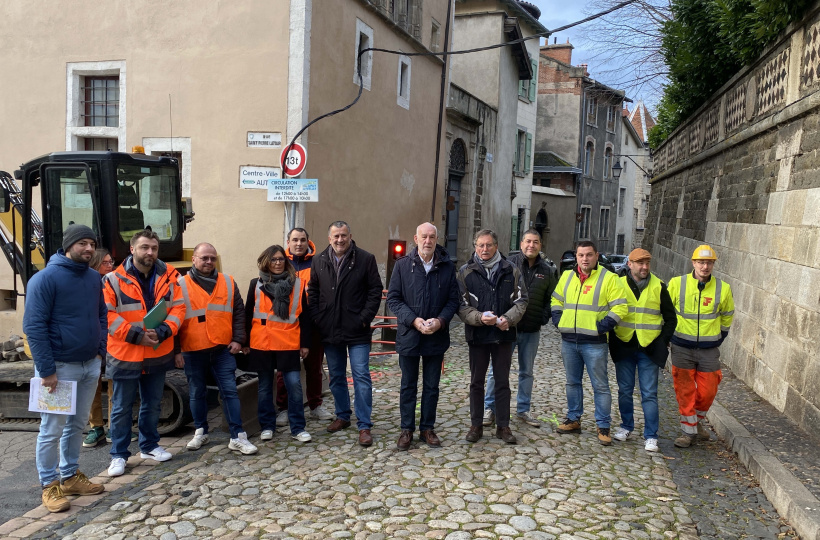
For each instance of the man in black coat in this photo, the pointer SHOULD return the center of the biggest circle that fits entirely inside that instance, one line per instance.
(493, 298)
(540, 279)
(344, 295)
(423, 294)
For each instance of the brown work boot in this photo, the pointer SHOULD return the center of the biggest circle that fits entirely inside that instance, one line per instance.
(53, 498)
(604, 437)
(569, 426)
(404, 440)
(79, 484)
(685, 440)
(365, 438)
(703, 432)
(429, 436)
(505, 434)
(474, 434)
(338, 425)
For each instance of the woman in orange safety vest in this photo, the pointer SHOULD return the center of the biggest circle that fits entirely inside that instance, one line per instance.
(279, 328)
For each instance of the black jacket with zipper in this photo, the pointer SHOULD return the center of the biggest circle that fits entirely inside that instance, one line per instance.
(541, 281)
(342, 307)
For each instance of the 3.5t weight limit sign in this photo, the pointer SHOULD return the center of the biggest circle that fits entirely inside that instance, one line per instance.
(294, 159)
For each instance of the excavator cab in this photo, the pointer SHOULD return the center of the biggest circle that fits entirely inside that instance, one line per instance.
(116, 194)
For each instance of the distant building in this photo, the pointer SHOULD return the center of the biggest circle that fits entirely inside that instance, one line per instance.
(579, 120)
(491, 121)
(642, 122)
(554, 201)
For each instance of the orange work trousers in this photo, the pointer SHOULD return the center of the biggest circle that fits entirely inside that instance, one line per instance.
(695, 391)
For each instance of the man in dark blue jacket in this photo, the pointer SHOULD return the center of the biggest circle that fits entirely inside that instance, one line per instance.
(423, 294)
(66, 326)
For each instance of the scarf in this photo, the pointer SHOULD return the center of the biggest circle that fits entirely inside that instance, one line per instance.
(278, 287)
(641, 284)
(489, 266)
(208, 283)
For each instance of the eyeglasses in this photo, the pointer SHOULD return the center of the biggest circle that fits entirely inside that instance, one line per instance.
(277, 260)
(108, 263)
(206, 259)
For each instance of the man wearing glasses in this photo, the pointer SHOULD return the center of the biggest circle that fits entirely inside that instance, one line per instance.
(211, 333)
(705, 309)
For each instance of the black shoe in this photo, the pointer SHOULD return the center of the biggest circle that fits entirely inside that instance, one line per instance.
(505, 434)
(474, 434)
(405, 439)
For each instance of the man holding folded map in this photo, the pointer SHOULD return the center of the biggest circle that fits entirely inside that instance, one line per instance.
(65, 323)
(140, 347)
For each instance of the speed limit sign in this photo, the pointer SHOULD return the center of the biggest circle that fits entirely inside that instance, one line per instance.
(294, 159)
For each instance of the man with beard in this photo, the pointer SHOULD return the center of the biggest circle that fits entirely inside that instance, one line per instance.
(640, 342)
(423, 294)
(344, 295)
(65, 323)
(138, 357)
(493, 300)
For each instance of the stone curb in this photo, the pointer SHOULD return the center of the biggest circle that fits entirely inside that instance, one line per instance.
(786, 493)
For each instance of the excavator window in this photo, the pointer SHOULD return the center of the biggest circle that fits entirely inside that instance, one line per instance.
(69, 201)
(145, 196)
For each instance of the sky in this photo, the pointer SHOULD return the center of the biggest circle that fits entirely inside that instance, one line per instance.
(556, 13)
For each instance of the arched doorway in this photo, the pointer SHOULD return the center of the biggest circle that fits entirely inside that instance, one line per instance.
(458, 165)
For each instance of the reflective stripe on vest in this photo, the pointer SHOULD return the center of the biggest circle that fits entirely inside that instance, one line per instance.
(212, 324)
(644, 313)
(581, 317)
(270, 332)
(697, 311)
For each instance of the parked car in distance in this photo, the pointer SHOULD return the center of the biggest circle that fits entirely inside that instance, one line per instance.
(618, 262)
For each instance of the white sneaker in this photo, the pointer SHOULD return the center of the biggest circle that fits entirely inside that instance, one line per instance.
(157, 454)
(242, 444)
(302, 436)
(266, 435)
(282, 419)
(621, 434)
(200, 438)
(117, 467)
(321, 413)
(489, 417)
(651, 445)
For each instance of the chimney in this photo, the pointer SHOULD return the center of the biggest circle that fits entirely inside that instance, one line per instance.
(584, 67)
(559, 51)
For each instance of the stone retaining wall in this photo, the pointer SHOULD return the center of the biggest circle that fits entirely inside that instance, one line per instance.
(743, 174)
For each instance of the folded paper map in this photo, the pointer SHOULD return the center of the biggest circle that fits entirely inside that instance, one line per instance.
(63, 400)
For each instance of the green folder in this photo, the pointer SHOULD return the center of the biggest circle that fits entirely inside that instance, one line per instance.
(155, 317)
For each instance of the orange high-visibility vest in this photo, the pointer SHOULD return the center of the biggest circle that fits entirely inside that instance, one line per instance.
(271, 333)
(208, 318)
(126, 311)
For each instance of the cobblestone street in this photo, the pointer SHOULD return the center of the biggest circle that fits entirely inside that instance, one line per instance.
(546, 486)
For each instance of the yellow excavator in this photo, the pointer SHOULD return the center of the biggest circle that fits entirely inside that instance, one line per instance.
(116, 194)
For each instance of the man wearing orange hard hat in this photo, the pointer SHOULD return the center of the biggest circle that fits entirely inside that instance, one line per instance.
(705, 309)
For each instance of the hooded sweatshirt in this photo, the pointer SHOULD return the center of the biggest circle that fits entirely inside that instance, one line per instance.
(66, 318)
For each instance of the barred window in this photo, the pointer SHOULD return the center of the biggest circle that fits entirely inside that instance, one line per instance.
(101, 101)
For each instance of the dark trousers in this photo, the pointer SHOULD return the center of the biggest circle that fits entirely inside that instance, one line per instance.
(431, 374)
(313, 377)
(480, 357)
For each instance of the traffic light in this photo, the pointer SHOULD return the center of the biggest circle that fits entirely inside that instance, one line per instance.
(396, 249)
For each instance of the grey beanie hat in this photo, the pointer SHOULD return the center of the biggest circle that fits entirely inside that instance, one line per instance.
(75, 233)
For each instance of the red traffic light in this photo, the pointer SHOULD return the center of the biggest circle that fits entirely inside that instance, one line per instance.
(396, 248)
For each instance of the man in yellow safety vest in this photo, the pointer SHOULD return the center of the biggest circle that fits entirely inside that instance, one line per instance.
(640, 343)
(705, 309)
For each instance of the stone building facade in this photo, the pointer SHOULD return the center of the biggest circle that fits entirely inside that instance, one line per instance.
(742, 175)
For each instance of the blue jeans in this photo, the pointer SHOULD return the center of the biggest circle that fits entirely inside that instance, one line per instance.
(527, 343)
(150, 387)
(594, 357)
(222, 365)
(431, 374)
(362, 385)
(61, 435)
(267, 410)
(648, 383)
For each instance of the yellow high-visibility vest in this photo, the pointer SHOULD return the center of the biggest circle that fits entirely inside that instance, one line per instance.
(702, 315)
(583, 305)
(644, 317)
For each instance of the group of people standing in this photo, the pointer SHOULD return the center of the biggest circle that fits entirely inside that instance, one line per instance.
(307, 305)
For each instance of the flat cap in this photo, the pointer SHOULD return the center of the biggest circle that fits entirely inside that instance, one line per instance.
(639, 254)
